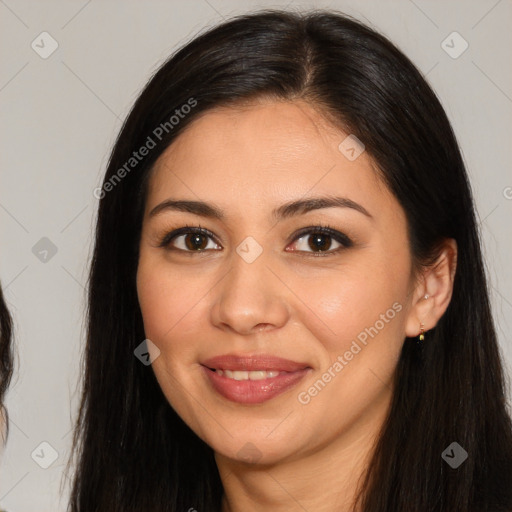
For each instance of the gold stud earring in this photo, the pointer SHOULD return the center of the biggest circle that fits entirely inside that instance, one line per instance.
(422, 335)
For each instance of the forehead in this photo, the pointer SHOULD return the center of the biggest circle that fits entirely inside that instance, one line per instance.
(261, 155)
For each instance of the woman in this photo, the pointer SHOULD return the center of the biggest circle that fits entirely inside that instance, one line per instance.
(6, 365)
(287, 303)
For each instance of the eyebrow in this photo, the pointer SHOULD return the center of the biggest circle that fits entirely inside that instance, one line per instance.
(284, 211)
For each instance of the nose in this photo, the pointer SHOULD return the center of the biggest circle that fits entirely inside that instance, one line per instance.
(250, 298)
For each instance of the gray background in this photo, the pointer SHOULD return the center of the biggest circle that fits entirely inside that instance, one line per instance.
(59, 118)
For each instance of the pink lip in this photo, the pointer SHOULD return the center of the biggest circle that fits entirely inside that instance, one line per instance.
(254, 391)
(253, 362)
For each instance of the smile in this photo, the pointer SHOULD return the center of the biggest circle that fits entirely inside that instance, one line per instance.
(246, 375)
(253, 387)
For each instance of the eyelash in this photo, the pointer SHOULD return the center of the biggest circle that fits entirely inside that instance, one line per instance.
(341, 238)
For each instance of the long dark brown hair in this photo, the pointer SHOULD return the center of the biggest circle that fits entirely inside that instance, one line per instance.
(6, 362)
(132, 451)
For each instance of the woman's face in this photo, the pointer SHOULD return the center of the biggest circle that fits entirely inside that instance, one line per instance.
(261, 286)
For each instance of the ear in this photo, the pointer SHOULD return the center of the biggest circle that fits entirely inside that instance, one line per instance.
(433, 291)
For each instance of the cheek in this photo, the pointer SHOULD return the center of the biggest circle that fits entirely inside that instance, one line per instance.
(362, 309)
(170, 310)
(345, 305)
(165, 299)
(153, 300)
(360, 339)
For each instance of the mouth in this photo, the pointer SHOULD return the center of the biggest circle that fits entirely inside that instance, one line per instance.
(253, 379)
(253, 362)
(246, 375)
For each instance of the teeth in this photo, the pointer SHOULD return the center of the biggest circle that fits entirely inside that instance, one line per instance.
(245, 375)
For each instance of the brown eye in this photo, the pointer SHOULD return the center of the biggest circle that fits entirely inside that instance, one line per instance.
(317, 241)
(320, 239)
(194, 241)
(188, 240)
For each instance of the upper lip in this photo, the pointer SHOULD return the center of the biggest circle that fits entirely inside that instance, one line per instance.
(253, 362)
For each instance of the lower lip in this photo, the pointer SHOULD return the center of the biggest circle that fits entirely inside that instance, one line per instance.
(254, 391)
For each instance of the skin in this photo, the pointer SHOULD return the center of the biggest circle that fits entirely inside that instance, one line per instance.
(288, 302)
